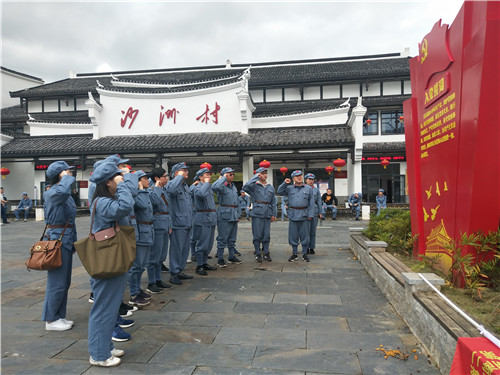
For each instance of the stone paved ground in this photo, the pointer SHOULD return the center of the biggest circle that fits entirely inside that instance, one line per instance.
(322, 317)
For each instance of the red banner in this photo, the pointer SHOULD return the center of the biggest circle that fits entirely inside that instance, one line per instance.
(476, 356)
(452, 131)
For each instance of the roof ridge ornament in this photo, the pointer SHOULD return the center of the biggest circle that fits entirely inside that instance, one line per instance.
(245, 77)
(99, 84)
(114, 78)
(346, 103)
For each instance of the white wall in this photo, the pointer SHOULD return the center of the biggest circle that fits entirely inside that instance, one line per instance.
(50, 105)
(14, 82)
(187, 107)
(274, 95)
(392, 88)
(350, 90)
(34, 106)
(292, 94)
(331, 92)
(373, 89)
(407, 87)
(312, 93)
(257, 96)
(21, 178)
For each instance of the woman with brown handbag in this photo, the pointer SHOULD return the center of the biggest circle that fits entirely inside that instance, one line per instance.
(113, 201)
(60, 212)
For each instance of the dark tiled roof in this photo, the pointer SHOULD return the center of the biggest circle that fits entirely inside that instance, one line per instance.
(373, 70)
(262, 139)
(68, 86)
(14, 114)
(384, 147)
(159, 90)
(182, 77)
(325, 70)
(294, 107)
(304, 106)
(70, 117)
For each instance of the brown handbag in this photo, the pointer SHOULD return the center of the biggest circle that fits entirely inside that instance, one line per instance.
(46, 255)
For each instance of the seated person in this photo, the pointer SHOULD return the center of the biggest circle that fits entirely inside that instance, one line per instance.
(25, 206)
(355, 203)
(330, 201)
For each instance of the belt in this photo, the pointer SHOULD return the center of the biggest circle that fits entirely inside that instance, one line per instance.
(145, 222)
(161, 213)
(262, 202)
(229, 205)
(59, 226)
(298, 208)
(132, 216)
(206, 211)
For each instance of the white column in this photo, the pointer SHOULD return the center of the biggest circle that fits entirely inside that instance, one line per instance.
(356, 123)
(247, 168)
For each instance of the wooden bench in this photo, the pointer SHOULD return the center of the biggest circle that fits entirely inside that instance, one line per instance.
(392, 265)
(454, 323)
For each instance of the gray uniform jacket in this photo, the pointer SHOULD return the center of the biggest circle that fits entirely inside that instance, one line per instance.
(263, 198)
(227, 196)
(300, 201)
(180, 203)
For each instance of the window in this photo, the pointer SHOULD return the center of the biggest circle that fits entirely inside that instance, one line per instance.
(390, 122)
(371, 129)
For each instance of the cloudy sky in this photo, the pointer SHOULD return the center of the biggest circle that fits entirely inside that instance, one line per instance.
(48, 39)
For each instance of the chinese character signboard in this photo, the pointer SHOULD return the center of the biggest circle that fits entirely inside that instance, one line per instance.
(452, 130)
(476, 356)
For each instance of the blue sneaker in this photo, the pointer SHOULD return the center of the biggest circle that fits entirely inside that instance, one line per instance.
(120, 335)
(124, 323)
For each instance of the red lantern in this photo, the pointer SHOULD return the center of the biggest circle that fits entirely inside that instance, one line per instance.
(283, 170)
(264, 164)
(329, 169)
(385, 163)
(339, 163)
(401, 118)
(368, 122)
(206, 165)
(4, 172)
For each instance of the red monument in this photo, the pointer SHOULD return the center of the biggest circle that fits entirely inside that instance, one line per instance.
(452, 126)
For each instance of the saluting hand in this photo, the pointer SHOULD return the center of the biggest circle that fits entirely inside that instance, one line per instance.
(288, 181)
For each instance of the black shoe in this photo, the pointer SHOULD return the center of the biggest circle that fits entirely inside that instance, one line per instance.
(267, 257)
(201, 271)
(161, 284)
(183, 276)
(334, 218)
(293, 258)
(305, 258)
(193, 258)
(258, 258)
(153, 289)
(357, 219)
(236, 252)
(208, 267)
(164, 268)
(174, 279)
(221, 263)
(311, 251)
(209, 257)
(234, 260)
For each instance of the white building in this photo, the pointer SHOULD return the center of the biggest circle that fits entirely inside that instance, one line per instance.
(295, 114)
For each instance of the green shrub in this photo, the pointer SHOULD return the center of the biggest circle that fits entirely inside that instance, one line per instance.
(394, 227)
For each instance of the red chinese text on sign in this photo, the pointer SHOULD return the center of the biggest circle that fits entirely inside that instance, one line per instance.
(205, 115)
(169, 114)
(130, 114)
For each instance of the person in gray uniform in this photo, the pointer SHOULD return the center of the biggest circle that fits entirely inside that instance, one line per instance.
(300, 212)
(228, 215)
(144, 234)
(181, 216)
(355, 203)
(381, 200)
(161, 225)
(264, 212)
(24, 207)
(194, 233)
(319, 212)
(205, 220)
(244, 203)
(60, 212)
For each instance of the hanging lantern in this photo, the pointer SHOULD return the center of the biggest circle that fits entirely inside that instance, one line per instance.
(401, 118)
(368, 122)
(4, 172)
(329, 169)
(264, 164)
(283, 170)
(206, 165)
(339, 163)
(384, 163)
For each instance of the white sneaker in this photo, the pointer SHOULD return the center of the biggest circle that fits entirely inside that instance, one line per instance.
(117, 352)
(25, 220)
(70, 322)
(110, 362)
(58, 325)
